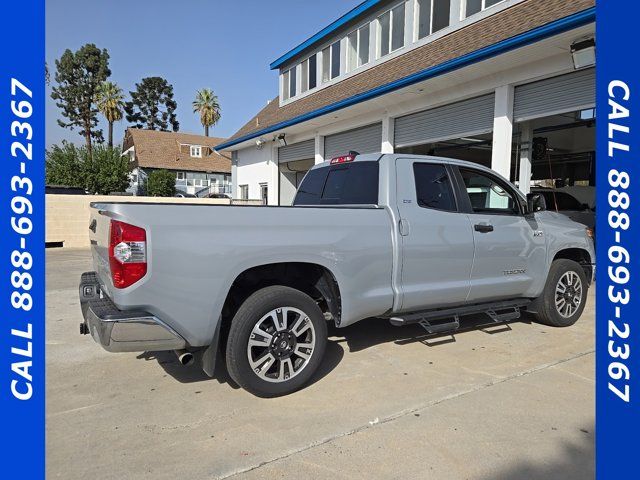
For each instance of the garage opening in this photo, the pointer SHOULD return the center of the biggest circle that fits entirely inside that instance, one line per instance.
(294, 161)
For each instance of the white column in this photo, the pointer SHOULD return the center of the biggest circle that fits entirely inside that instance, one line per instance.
(319, 143)
(503, 131)
(388, 134)
(274, 170)
(234, 175)
(526, 152)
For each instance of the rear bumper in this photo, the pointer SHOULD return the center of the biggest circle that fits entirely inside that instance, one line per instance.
(122, 331)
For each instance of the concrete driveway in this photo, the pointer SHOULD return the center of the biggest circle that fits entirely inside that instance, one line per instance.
(512, 402)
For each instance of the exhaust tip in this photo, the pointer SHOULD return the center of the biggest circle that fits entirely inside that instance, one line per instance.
(185, 358)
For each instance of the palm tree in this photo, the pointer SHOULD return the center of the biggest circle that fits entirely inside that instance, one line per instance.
(206, 104)
(110, 102)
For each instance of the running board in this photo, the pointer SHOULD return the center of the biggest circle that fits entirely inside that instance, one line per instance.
(498, 312)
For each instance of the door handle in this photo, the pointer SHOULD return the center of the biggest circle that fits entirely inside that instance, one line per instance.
(483, 228)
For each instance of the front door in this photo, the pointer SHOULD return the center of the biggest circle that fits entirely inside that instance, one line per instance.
(510, 252)
(437, 240)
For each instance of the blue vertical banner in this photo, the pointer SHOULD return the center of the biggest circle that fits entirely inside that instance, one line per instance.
(618, 255)
(22, 237)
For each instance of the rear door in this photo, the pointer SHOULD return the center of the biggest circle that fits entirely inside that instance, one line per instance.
(510, 252)
(437, 241)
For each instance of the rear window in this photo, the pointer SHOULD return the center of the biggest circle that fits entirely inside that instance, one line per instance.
(345, 184)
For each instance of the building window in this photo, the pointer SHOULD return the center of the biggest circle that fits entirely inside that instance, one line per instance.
(309, 73)
(326, 65)
(244, 192)
(358, 48)
(476, 6)
(433, 15)
(335, 60)
(289, 83)
(313, 72)
(196, 151)
(285, 85)
(293, 82)
(391, 25)
(264, 193)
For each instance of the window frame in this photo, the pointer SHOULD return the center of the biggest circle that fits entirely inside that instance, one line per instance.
(417, 12)
(465, 200)
(243, 191)
(358, 32)
(195, 151)
(452, 182)
(391, 12)
(483, 7)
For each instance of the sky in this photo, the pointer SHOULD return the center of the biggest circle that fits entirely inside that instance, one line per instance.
(223, 45)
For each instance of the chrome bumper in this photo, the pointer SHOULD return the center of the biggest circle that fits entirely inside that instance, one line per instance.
(122, 331)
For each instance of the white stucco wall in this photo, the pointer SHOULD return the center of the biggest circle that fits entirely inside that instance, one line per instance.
(256, 166)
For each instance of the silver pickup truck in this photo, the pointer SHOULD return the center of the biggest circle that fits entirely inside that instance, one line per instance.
(410, 239)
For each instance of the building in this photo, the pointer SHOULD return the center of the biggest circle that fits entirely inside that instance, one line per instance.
(509, 84)
(198, 168)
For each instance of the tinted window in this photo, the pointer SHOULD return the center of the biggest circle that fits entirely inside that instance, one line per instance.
(433, 187)
(313, 71)
(561, 201)
(488, 195)
(350, 184)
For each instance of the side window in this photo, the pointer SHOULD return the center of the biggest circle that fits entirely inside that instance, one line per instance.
(488, 195)
(433, 187)
(349, 184)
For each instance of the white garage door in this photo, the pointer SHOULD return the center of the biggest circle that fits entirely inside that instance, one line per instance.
(468, 117)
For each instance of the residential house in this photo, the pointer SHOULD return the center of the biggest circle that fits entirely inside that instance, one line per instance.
(198, 168)
(509, 84)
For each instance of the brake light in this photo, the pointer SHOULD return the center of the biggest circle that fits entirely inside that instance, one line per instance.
(343, 159)
(127, 253)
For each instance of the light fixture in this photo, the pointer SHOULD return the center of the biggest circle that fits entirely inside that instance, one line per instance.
(281, 139)
(584, 53)
(260, 143)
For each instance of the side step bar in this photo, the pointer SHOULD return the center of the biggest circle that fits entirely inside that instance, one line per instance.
(498, 312)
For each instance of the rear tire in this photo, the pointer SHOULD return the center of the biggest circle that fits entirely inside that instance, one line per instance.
(276, 342)
(565, 295)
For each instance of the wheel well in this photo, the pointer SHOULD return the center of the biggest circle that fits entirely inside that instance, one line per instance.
(314, 280)
(580, 256)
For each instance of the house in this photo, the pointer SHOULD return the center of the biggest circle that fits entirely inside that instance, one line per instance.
(509, 84)
(198, 168)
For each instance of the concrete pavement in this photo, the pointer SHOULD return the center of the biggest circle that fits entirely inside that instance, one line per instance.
(511, 402)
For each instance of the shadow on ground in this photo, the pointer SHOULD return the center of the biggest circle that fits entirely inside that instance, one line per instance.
(577, 463)
(360, 336)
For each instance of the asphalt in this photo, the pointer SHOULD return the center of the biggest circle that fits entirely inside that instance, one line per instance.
(509, 402)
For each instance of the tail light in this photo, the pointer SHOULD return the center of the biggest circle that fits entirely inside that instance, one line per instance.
(127, 253)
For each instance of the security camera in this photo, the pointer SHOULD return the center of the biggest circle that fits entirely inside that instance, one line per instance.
(260, 144)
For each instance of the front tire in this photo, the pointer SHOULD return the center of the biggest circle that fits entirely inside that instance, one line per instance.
(276, 342)
(565, 295)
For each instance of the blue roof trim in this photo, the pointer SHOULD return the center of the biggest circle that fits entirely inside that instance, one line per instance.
(549, 30)
(346, 18)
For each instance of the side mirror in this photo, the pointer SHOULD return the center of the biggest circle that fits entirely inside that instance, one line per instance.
(536, 203)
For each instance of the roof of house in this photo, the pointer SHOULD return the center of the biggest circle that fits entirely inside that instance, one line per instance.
(155, 149)
(474, 42)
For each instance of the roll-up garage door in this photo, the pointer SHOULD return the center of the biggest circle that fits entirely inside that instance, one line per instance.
(468, 117)
(297, 151)
(551, 96)
(362, 140)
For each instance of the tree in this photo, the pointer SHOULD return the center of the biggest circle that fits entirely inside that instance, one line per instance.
(78, 76)
(63, 166)
(152, 105)
(110, 102)
(161, 183)
(103, 172)
(206, 104)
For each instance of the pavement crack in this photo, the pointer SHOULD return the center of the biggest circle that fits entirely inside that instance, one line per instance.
(403, 413)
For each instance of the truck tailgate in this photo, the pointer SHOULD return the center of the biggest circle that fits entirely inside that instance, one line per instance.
(99, 227)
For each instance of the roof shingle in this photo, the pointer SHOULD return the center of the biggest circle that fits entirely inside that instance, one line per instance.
(169, 150)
